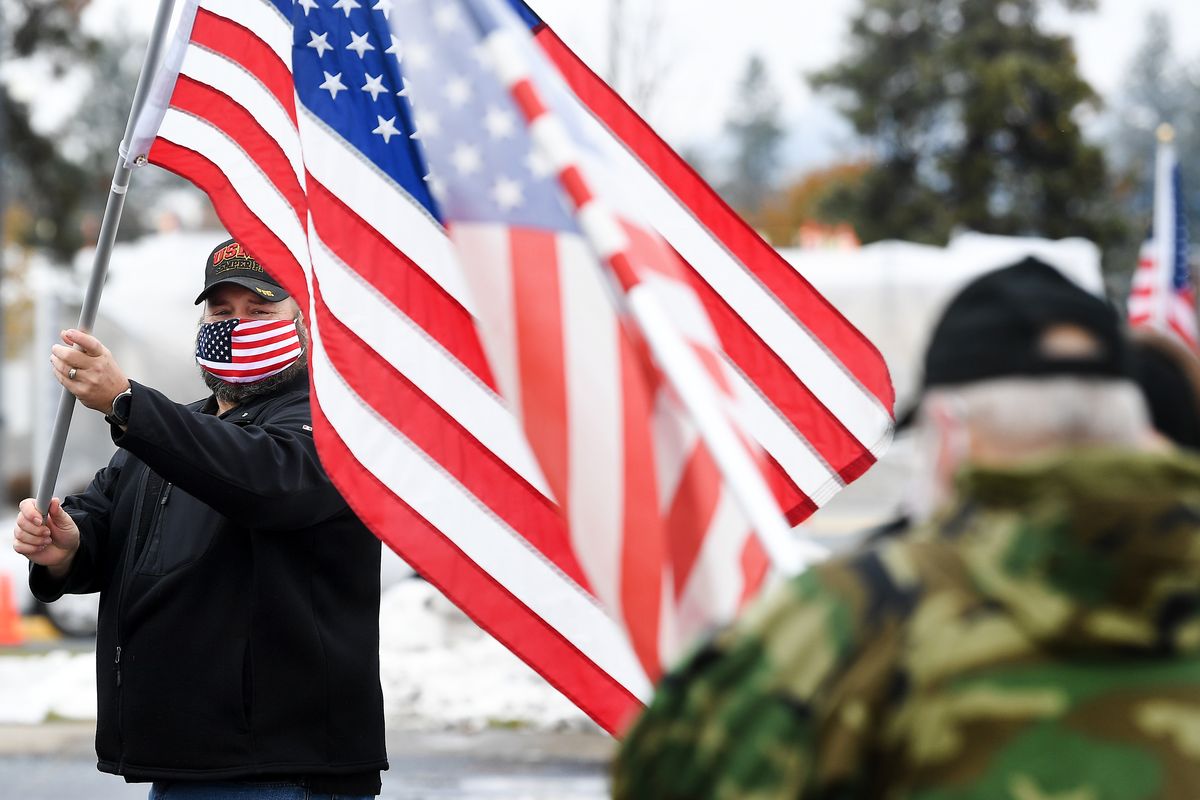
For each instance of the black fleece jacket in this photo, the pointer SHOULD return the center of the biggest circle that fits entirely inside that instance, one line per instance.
(239, 599)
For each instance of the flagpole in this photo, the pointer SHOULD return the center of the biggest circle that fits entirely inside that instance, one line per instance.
(1164, 223)
(104, 245)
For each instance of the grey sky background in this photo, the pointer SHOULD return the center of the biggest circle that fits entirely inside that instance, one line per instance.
(704, 48)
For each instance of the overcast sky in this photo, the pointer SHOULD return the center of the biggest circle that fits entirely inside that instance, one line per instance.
(706, 48)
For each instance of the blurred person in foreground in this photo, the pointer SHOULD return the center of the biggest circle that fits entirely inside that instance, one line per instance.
(238, 645)
(1037, 636)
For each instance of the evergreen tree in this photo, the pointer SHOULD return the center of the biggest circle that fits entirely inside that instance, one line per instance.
(757, 134)
(973, 111)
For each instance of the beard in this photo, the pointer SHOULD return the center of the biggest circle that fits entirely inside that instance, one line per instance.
(235, 394)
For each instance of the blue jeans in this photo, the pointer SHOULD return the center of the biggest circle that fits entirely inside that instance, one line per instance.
(241, 791)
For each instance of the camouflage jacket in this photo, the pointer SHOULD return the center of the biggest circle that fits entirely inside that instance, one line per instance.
(1040, 639)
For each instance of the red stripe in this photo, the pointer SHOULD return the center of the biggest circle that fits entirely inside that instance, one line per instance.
(755, 565)
(241, 46)
(240, 125)
(233, 374)
(429, 427)
(528, 100)
(691, 514)
(254, 345)
(833, 442)
(643, 555)
(576, 185)
(537, 312)
(259, 240)
(491, 605)
(841, 339)
(408, 287)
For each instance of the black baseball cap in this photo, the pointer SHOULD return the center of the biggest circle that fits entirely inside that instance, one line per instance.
(997, 327)
(230, 263)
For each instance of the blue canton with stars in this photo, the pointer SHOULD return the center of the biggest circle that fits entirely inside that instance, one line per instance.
(476, 140)
(215, 342)
(376, 92)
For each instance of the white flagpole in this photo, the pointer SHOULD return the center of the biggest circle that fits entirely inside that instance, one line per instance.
(1164, 225)
(108, 235)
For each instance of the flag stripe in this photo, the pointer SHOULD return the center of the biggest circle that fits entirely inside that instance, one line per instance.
(232, 35)
(401, 343)
(826, 324)
(398, 279)
(436, 497)
(496, 609)
(489, 479)
(382, 204)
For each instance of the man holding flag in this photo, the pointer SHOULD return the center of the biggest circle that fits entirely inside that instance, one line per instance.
(238, 642)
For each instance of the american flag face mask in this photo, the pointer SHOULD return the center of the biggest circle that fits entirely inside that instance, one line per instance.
(248, 350)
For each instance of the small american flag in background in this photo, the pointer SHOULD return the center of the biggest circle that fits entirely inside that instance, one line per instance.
(1163, 295)
(244, 351)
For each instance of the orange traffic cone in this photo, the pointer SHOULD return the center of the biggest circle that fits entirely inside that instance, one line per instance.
(10, 620)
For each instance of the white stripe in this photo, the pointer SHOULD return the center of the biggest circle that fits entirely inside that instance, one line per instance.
(806, 357)
(595, 427)
(778, 438)
(715, 585)
(602, 230)
(485, 539)
(507, 57)
(686, 310)
(262, 19)
(246, 352)
(244, 89)
(251, 185)
(553, 143)
(261, 336)
(404, 345)
(485, 254)
(265, 362)
(382, 204)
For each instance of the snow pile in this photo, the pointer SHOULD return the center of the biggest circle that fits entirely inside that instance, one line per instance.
(439, 670)
(34, 688)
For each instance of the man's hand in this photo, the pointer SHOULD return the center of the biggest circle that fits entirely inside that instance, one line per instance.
(51, 540)
(97, 379)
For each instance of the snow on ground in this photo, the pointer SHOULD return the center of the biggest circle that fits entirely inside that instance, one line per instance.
(439, 671)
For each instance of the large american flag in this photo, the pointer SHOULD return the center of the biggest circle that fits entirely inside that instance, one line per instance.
(293, 117)
(1163, 295)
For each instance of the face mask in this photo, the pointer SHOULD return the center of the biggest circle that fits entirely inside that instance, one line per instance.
(247, 350)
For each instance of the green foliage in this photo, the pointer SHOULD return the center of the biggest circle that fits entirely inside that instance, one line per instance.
(973, 113)
(757, 133)
(58, 179)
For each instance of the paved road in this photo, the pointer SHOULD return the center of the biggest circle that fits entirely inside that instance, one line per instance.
(55, 762)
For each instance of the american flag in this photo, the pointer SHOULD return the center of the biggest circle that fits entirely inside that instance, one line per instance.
(1162, 294)
(293, 117)
(244, 351)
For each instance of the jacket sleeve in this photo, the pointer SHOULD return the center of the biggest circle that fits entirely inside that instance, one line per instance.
(92, 512)
(746, 715)
(265, 476)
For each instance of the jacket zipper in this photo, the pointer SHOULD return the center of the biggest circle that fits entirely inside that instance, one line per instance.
(130, 567)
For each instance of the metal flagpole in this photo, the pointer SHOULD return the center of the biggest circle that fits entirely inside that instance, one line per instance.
(3, 242)
(108, 235)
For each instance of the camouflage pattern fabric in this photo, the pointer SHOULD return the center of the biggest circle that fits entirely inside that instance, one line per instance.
(1040, 640)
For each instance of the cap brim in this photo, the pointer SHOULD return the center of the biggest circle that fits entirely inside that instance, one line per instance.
(267, 291)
